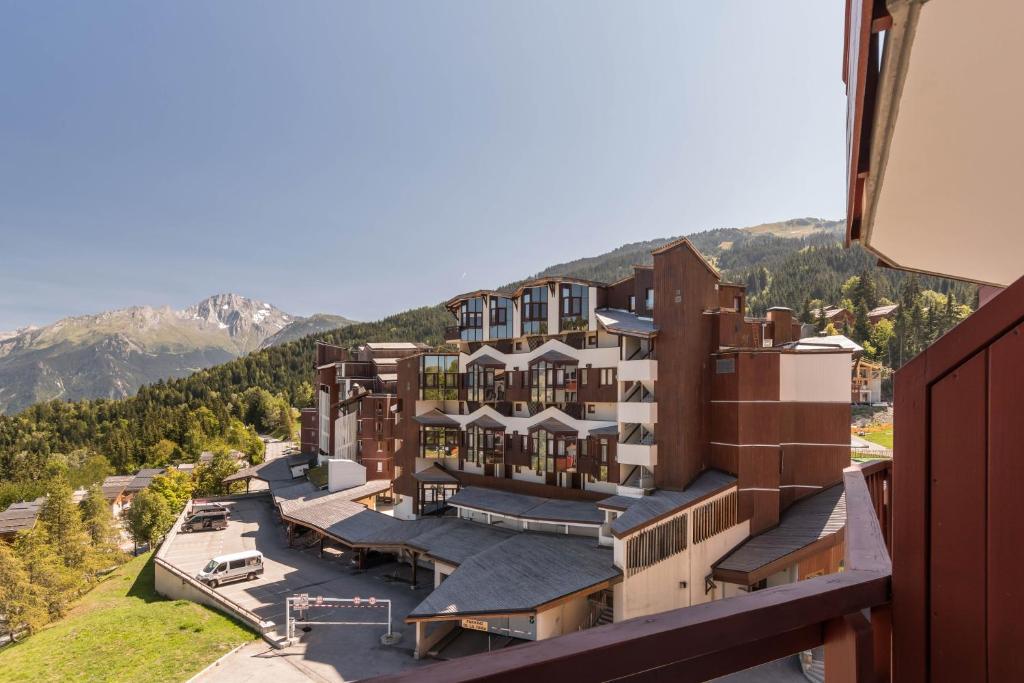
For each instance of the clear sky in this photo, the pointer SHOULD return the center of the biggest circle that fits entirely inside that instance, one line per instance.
(362, 158)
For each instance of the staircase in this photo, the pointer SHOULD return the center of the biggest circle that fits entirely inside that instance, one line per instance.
(813, 664)
(605, 616)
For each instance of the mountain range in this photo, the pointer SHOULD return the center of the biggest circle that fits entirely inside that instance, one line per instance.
(112, 354)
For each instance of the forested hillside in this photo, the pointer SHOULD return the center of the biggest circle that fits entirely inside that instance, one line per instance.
(176, 419)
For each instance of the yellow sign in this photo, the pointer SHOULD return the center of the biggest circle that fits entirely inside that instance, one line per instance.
(474, 624)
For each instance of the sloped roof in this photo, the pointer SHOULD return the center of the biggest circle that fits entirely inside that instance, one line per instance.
(143, 478)
(624, 322)
(640, 512)
(520, 574)
(486, 422)
(833, 341)
(553, 356)
(487, 361)
(434, 475)
(435, 418)
(554, 426)
(114, 485)
(527, 507)
(20, 516)
(814, 519)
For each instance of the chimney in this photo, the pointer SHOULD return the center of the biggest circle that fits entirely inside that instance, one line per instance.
(782, 324)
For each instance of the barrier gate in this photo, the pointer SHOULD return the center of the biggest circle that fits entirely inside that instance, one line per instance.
(296, 607)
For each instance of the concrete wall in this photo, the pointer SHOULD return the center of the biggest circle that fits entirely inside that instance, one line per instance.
(817, 377)
(344, 474)
(562, 618)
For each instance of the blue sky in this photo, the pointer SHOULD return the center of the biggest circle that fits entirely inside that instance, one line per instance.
(364, 158)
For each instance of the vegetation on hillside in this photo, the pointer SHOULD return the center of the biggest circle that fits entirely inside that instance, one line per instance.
(124, 631)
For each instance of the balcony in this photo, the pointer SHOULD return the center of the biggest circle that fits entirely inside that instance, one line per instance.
(645, 412)
(452, 333)
(645, 370)
(645, 454)
(848, 613)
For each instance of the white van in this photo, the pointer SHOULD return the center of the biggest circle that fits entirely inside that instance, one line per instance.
(224, 568)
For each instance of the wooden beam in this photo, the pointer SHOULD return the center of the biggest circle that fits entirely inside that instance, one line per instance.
(849, 646)
(737, 632)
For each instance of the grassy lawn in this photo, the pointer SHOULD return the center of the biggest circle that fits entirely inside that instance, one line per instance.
(882, 437)
(123, 631)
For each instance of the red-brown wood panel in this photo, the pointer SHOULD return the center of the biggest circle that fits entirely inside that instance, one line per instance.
(1005, 523)
(958, 520)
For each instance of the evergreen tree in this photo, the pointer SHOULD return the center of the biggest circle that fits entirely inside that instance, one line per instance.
(805, 312)
(864, 290)
(62, 521)
(861, 324)
(99, 524)
(57, 584)
(20, 601)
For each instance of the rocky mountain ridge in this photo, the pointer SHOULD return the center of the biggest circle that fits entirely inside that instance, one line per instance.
(111, 354)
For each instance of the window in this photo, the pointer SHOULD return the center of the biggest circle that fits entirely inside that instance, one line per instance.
(471, 319)
(649, 299)
(500, 318)
(632, 303)
(380, 445)
(519, 346)
(236, 564)
(485, 385)
(519, 407)
(377, 426)
(485, 446)
(552, 383)
(592, 340)
(535, 310)
(607, 377)
(725, 366)
(439, 442)
(380, 407)
(552, 453)
(591, 408)
(583, 376)
(575, 307)
(439, 377)
(380, 466)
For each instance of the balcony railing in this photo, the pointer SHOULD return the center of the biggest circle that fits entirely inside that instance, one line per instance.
(724, 636)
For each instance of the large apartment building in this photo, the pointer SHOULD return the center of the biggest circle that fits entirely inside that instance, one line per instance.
(356, 405)
(650, 414)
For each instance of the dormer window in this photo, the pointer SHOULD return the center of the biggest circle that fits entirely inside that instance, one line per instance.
(500, 318)
(574, 306)
(471, 319)
(632, 303)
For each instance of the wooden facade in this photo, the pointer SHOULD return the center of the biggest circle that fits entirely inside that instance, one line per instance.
(957, 539)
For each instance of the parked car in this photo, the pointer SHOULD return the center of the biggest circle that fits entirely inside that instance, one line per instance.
(226, 568)
(212, 520)
(210, 507)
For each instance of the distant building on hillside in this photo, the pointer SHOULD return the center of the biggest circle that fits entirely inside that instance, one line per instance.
(839, 317)
(887, 312)
(865, 375)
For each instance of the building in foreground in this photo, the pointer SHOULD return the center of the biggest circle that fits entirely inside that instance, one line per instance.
(649, 417)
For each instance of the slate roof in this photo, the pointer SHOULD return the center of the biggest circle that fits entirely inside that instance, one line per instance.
(624, 322)
(143, 478)
(805, 522)
(520, 574)
(435, 418)
(113, 486)
(639, 512)
(20, 516)
(456, 540)
(610, 430)
(527, 507)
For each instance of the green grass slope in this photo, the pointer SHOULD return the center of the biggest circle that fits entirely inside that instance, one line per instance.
(123, 631)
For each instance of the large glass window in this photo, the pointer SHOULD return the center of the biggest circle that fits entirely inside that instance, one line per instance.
(575, 306)
(553, 383)
(535, 310)
(439, 442)
(471, 319)
(552, 452)
(500, 318)
(485, 446)
(439, 377)
(485, 385)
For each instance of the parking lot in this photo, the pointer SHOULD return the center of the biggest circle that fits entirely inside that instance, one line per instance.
(324, 653)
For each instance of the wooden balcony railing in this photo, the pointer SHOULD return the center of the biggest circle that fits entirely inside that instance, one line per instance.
(716, 638)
